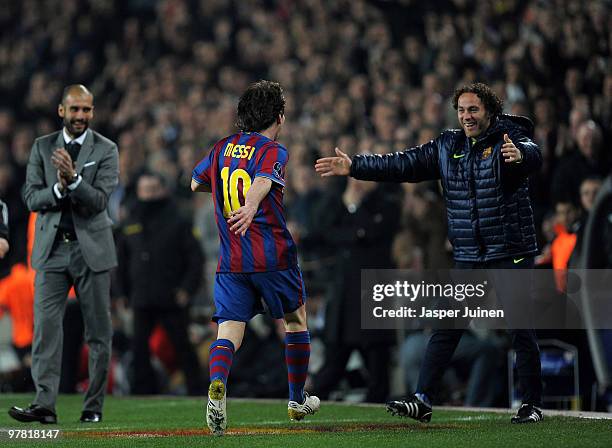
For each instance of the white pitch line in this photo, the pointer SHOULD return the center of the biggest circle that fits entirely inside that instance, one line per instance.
(243, 425)
(471, 418)
(297, 424)
(547, 412)
(98, 428)
(173, 403)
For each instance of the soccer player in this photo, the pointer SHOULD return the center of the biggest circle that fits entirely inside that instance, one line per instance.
(245, 173)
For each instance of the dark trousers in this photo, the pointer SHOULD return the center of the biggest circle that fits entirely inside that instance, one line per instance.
(376, 358)
(443, 343)
(175, 322)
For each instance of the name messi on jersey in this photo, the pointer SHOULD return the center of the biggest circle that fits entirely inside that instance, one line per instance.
(239, 151)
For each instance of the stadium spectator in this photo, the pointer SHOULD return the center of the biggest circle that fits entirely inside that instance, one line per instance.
(566, 214)
(574, 167)
(160, 269)
(484, 164)
(358, 225)
(588, 192)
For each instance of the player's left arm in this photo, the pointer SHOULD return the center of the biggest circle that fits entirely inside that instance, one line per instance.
(241, 219)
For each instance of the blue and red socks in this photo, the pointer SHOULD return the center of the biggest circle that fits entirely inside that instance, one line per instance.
(220, 360)
(297, 356)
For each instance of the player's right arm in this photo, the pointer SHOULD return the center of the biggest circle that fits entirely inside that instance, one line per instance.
(241, 219)
(200, 187)
(200, 177)
(411, 165)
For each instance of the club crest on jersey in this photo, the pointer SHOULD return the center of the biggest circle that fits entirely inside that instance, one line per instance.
(277, 169)
(487, 153)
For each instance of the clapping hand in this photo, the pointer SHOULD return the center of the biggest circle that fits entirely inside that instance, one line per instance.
(63, 162)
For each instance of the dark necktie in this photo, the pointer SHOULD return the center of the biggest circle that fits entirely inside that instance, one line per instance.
(73, 149)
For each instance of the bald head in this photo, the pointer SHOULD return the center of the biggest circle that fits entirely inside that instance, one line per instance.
(76, 109)
(75, 90)
(589, 138)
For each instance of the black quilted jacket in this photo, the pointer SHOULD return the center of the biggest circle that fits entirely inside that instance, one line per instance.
(487, 200)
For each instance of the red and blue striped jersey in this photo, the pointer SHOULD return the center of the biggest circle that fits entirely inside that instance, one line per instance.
(229, 169)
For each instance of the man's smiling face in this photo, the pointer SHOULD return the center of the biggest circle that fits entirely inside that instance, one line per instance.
(472, 115)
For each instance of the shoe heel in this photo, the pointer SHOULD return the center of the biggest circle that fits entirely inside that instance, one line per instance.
(295, 415)
(216, 391)
(48, 420)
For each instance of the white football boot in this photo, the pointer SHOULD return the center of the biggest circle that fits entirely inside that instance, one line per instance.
(297, 411)
(216, 416)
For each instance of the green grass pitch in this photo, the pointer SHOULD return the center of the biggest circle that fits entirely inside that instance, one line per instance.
(179, 422)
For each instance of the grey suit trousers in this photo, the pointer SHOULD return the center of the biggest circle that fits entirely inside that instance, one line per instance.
(66, 267)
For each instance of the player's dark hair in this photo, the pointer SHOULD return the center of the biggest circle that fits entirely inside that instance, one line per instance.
(259, 106)
(492, 103)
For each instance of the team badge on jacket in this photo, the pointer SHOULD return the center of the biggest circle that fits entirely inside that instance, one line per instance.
(487, 153)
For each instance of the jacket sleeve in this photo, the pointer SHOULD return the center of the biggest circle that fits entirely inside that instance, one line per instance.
(4, 231)
(411, 165)
(193, 260)
(37, 195)
(95, 196)
(532, 156)
(121, 277)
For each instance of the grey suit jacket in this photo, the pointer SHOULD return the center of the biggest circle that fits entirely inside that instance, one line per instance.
(98, 164)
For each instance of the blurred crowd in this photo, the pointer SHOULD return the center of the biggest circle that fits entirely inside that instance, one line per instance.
(365, 76)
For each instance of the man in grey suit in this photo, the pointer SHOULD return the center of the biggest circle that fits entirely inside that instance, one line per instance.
(70, 175)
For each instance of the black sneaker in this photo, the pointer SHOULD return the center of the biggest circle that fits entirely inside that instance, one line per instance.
(528, 413)
(412, 407)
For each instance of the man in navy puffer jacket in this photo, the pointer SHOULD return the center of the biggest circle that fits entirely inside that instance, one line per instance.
(483, 168)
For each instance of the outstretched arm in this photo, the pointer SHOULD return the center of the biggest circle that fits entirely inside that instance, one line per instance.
(412, 165)
(334, 166)
(241, 219)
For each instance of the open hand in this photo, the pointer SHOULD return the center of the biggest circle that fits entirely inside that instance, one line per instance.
(241, 219)
(334, 166)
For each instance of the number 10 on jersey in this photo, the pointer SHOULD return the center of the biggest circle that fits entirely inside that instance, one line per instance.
(231, 200)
